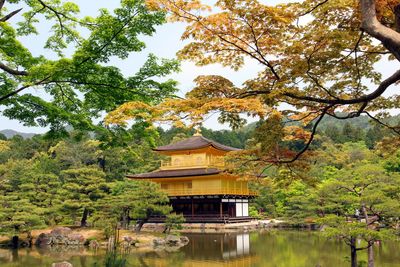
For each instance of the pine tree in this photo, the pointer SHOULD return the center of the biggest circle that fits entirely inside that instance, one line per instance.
(81, 189)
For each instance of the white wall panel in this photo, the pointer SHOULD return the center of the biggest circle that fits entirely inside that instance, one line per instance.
(245, 209)
(239, 209)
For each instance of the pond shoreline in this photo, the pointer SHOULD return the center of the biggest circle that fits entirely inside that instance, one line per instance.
(152, 231)
(264, 248)
(232, 227)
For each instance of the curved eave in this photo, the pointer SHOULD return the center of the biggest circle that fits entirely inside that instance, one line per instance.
(175, 173)
(194, 143)
(199, 147)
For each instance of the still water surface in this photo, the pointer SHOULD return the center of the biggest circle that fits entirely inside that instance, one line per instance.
(258, 249)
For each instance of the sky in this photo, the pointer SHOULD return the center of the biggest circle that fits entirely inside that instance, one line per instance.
(164, 43)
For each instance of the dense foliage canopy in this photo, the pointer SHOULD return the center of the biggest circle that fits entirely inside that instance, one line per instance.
(318, 58)
(74, 79)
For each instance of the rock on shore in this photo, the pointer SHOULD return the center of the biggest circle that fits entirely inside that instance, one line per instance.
(60, 236)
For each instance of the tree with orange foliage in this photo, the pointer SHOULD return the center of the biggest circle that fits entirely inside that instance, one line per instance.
(318, 57)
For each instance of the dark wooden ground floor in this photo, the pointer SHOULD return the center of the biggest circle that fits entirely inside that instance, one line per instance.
(211, 209)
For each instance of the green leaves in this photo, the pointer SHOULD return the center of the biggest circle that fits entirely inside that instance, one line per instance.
(81, 87)
(131, 199)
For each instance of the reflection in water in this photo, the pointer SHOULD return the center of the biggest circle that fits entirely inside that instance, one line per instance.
(266, 249)
(241, 248)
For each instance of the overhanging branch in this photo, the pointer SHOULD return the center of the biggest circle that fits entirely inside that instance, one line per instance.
(7, 17)
(365, 98)
(307, 145)
(13, 71)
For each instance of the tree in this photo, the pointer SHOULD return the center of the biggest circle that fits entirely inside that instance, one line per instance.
(133, 200)
(28, 197)
(350, 133)
(19, 216)
(72, 153)
(173, 221)
(373, 135)
(392, 163)
(318, 57)
(333, 133)
(81, 189)
(360, 202)
(81, 86)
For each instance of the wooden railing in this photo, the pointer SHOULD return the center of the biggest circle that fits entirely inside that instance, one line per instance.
(187, 163)
(222, 218)
(209, 191)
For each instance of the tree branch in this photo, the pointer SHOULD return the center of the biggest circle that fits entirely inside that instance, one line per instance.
(370, 24)
(365, 98)
(313, 132)
(397, 17)
(12, 71)
(313, 8)
(394, 129)
(7, 17)
(2, 4)
(2, 98)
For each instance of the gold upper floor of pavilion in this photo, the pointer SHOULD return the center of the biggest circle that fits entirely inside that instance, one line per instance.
(194, 152)
(199, 160)
(196, 167)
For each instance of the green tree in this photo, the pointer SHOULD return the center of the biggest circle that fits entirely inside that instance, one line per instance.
(76, 151)
(392, 163)
(351, 133)
(173, 222)
(133, 200)
(81, 86)
(373, 135)
(28, 196)
(18, 215)
(333, 132)
(360, 202)
(81, 189)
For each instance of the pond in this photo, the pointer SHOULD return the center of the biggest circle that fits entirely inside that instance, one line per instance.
(259, 249)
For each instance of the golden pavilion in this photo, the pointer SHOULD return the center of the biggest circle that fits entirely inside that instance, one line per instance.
(195, 181)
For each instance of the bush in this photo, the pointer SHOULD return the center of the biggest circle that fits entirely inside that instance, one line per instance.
(253, 212)
(174, 222)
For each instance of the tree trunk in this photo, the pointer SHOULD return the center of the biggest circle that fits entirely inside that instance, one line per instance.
(30, 239)
(167, 230)
(369, 23)
(371, 255)
(139, 225)
(84, 217)
(370, 243)
(14, 242)
(125, 220)
(15, 255)
(102, 163)
(353, 248)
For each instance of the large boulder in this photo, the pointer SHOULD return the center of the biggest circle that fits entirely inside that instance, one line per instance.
(173, 241)
(63, 231)
(158, 242)
(184, 240)
(43, 240)
(60, 236)
(75, 239)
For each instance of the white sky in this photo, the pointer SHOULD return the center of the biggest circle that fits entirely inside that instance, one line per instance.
(164, 43)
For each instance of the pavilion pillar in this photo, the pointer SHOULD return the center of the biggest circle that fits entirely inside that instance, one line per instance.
(192, 208)
(220, 209)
